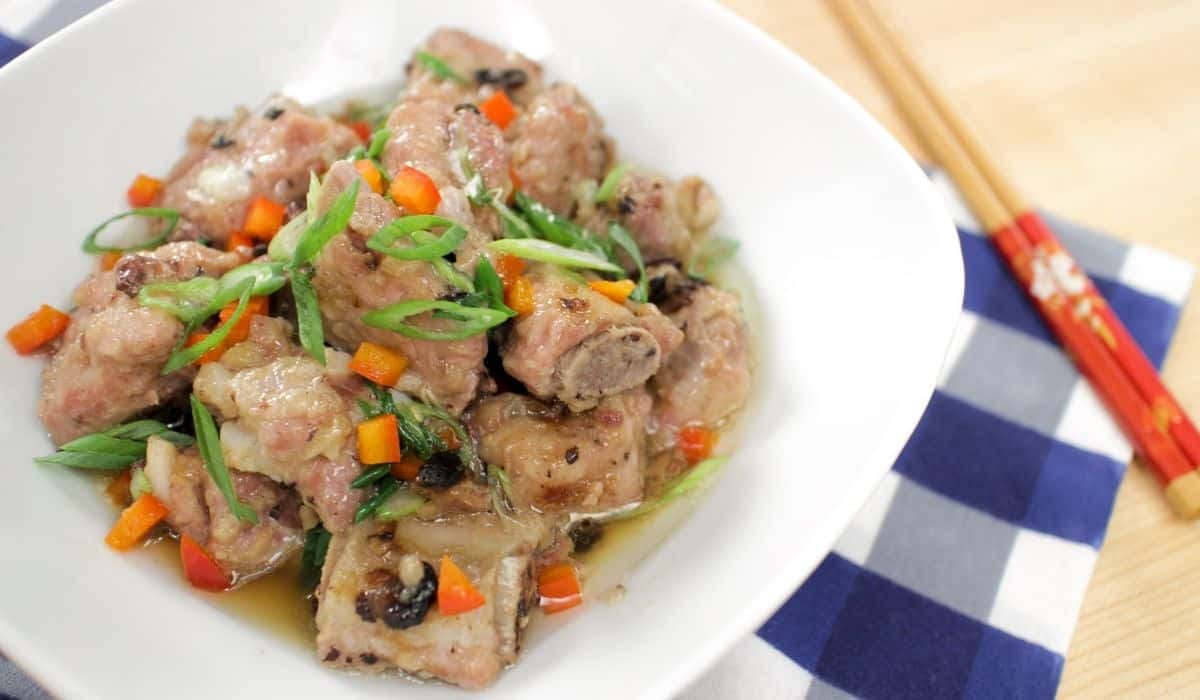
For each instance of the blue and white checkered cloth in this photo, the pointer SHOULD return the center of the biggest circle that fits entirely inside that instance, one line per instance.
(964, 573)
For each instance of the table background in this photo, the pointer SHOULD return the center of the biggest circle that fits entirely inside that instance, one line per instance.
(1093, 107)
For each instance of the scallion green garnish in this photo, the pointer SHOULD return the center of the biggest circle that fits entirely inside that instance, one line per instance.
(545, 251)
(617, 234)
(182, 357)
(326, 226)
(472, 320)
(170, 215)
(265, 279)
(608, 187)
(139, 484)
(370, 476)
(194, 300)
(439, 67)
(387, 486)
(514, 225)
(316, 545)
(403, 502)
(715, 251)
(695, 478)
(385, 238)
(378, 141)
(209, 441)
(308, 316)
(490, 286)
(115, 448)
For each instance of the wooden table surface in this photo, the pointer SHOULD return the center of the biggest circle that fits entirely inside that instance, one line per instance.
(1093, 107)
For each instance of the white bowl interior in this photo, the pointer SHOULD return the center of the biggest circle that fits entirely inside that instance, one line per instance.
(855, 268)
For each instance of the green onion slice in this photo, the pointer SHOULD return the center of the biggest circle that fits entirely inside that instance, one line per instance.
(609, 186)
(489, 284)
(326, 226)
(182, 357)
(387, 486)
(439, 67)
(403, 502)
(617, 234)
(214, 461)
(308, 316)
(115, 448)
(694, 479)
(370, 476)
(283, 246)
(191, 301)
(316, 545)
(266, 279)
(545, 251)
(715, 251)
(99, 442)
(88, 460)
(385, 238)
(514, 225)
(472, 321)
(378, 141)
(170, 215)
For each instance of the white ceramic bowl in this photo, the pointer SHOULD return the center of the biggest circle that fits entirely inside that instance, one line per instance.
(854, 264)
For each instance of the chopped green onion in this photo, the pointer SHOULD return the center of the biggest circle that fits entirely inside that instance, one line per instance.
(182, 357)
(316, 545)
(609, 186)
(314, 192)
(548, 224)
(490, 286)
(439, 67)
(715, 251)
(385, 238)
(308, 316)
(501, 491)
(266, 279)
(171, 215)
(370, 476)
(617, 234)
(692, 480)
(514, 225)
(326, 226)
(403, 502)
(144, 429)
(387, 486)
(214, 461)
(88, 460)
(378, 141)
(545, 251)
(473, 320)
(139, 484)
(190, 301)
(283, 246)
(99, 442)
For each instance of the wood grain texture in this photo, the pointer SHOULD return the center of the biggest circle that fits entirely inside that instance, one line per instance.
(1093, 107)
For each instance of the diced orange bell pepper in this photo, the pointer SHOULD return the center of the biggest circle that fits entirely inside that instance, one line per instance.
(509, 267)
(201, 569)
(118, 489)
(264, 218)
(696, 443)
(499, 109)
(379, 440)
(379, 364)
(371, 174)
(449, 437)
(519, 296)
(618, 291)
(408, 468)
(516, 179)
(256, 306)
(143, 191)
(456, 594)
(558, 588)
(39, 328)
(415, 191)
(109, 260)
(212, 355)
(135, 521)
(240, 242)
(363, 130)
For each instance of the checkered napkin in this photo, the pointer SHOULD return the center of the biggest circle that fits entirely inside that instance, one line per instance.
(964, 572)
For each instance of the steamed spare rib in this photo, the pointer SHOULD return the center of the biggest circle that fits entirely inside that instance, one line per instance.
(197, 508)
(351, 280)
(485, 66)
(579, 346)
(372, 581)
(287, 418)
(666, 219)
(267, 152)
(565, 462)
(107, 366)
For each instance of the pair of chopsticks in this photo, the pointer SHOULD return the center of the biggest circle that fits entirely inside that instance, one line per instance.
(1102, 348)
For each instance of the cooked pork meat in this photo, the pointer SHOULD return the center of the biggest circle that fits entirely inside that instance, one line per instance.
(287, 417)
(665, 219)
(564, 462)
(370, 568)
(579, 346)
(197, 508)
(267, 152)
(483, 64)
(351, 280)
(708, 377)
(556, 145)
(107, 365)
